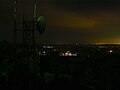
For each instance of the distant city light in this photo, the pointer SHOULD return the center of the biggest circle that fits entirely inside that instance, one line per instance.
(47, 46)
(51, 50)
(68, 53)
(55, 50)
(110, 51)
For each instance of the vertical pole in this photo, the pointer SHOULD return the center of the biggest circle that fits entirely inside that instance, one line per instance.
(15, 24)
(34, 56)
(14, 44)
(34, 23)
(35, 8)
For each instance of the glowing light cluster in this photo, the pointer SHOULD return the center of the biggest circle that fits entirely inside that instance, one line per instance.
(68, 53)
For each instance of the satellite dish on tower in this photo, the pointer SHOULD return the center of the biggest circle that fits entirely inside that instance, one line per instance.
(41, 24)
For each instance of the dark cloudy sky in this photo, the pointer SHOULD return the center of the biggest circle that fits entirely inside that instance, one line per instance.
(68, 21)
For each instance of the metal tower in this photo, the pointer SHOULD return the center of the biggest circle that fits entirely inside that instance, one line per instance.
(29, 27)
(28, 38)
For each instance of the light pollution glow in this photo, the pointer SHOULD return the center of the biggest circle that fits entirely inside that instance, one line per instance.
(102, 25)
(86, 21)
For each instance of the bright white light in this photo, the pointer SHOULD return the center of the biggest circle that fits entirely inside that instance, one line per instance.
(68, 53)
(111, 51)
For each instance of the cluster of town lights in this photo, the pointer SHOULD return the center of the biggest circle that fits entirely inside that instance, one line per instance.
(68, 53)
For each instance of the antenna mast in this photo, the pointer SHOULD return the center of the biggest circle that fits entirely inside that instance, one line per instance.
(34, 23)
(15, 23)
(35, 9)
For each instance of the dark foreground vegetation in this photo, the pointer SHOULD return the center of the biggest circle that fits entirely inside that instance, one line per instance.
(97, 71)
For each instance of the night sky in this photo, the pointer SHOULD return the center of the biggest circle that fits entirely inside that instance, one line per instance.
(68, 21)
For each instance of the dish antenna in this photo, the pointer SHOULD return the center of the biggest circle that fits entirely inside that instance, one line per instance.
(41, 24)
